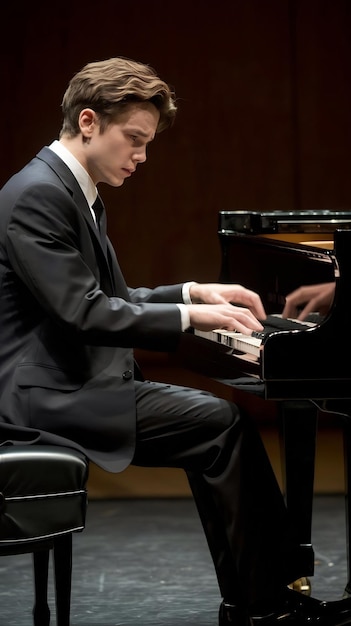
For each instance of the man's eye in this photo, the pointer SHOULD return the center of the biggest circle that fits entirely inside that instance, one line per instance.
(133, 137)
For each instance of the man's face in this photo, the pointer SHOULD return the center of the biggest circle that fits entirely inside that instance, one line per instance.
(112, 156)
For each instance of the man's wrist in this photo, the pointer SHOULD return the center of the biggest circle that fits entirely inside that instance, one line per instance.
(186, 292)
(185, 316)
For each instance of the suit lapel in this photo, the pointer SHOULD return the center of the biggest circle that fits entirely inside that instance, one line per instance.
(69, 181)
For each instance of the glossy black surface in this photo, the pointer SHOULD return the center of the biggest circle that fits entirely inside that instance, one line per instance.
(262, 222)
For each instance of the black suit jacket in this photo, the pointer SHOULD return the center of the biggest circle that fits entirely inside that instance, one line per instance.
(69, 322)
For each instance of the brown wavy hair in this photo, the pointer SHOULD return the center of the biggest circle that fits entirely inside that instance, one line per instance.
(109, 86)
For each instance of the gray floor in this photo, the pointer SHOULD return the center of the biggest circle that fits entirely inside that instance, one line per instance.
(145, 563)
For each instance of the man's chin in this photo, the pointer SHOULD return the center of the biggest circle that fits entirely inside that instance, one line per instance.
(117, 182)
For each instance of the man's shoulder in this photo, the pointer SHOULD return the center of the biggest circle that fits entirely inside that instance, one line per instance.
(47, 168)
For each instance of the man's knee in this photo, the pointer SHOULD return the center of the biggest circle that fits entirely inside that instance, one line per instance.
(224, 413)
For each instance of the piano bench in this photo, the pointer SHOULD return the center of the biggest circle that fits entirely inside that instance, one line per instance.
(43, 501)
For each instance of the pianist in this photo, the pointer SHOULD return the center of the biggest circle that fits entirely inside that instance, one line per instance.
(69, 325)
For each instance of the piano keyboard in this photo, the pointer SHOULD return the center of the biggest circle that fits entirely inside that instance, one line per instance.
(247, 344)
(233, 340)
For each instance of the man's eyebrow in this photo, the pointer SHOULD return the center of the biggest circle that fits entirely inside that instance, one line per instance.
(137, 131)
(140, 133)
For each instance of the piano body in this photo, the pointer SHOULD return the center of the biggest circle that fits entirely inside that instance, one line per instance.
(274, 253)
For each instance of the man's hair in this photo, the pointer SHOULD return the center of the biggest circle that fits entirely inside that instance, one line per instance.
(109, 86)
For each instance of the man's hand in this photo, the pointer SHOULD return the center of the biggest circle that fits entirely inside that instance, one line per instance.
(224, 316)
(218, 308)
(217, 293)
(312, 298)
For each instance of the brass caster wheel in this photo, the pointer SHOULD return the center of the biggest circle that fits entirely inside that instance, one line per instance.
(303, 585)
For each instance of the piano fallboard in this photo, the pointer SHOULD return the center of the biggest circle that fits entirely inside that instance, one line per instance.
(274, 267)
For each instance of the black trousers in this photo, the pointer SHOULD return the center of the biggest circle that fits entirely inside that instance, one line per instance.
(239, 501)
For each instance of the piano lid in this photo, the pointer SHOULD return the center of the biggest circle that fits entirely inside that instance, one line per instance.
(266, 222)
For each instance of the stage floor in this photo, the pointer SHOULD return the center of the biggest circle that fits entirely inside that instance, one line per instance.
(144, 562)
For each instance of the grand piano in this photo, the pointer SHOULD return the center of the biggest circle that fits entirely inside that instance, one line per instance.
(303, 371)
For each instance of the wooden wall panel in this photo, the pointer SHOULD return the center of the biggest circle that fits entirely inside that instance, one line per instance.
(264, 98)
(323, 100)
(230, 65)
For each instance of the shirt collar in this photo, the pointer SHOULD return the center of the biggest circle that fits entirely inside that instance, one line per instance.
(85, 182)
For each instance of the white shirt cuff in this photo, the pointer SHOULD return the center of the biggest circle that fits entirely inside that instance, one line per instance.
(186, 292)
(185, 317)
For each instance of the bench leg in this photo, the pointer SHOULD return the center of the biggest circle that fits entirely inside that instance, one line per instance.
(41, 611)
(63, 578)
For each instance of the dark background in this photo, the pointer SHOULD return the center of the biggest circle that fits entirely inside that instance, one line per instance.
(264, 95)
(264, 98)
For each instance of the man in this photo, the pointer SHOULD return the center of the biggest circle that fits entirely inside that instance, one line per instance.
(69, 325)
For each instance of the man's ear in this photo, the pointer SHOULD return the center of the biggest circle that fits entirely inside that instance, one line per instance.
(87, 122)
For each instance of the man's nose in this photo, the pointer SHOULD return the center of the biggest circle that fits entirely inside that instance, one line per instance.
(140, 156)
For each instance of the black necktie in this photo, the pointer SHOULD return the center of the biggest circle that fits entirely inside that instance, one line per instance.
(99, 211)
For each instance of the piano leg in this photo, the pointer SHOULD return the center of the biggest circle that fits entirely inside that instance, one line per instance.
(298, 445)
(342, 409)
(347, 465)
